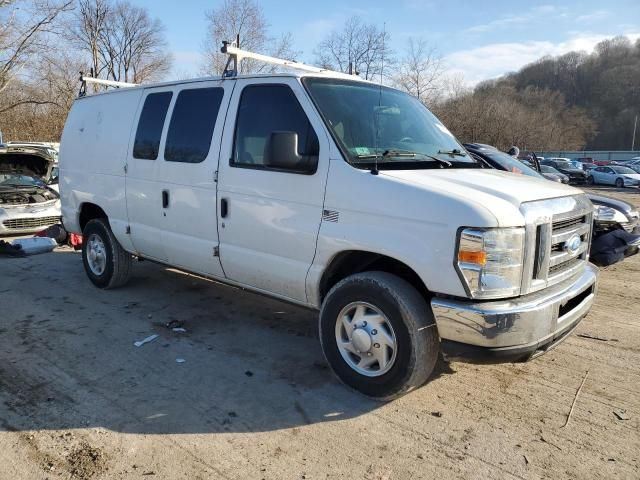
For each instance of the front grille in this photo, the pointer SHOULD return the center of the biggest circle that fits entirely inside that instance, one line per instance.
(562, 259)
(552, 252)
(574, 262)
(24, 223)
(568, 223)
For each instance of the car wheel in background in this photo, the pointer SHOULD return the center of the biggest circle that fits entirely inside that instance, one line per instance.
(619, 183)
(590, 180)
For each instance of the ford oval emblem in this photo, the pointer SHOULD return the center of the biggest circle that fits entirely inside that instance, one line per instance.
(573, 244)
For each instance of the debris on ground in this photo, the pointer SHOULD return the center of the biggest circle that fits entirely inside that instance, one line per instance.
(11, 250)
(86, 461)
(249, 373)
(180, 360)
(575, 399)
(594, 337)
(57, 232)
(621, 414)
(436, 414)
(150, 338)
(179, 330)
(36, 245)
(173, 324)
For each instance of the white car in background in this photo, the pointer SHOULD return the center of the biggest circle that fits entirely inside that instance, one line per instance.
(27, 203)
(614, 175)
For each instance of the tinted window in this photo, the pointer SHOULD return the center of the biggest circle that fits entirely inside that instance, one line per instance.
(150, 125)
(192, 123)
(510, 164)
(266, 109)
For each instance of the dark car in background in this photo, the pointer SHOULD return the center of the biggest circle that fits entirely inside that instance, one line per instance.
(576, 176)
(551, 173)
(609, 213)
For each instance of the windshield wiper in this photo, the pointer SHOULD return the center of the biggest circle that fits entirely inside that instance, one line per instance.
(455, 152)
(398, 153)
(403, 153)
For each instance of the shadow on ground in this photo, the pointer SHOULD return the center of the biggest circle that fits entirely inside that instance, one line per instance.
(67, 358)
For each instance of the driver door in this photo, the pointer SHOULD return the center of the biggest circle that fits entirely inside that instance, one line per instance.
(269, 216)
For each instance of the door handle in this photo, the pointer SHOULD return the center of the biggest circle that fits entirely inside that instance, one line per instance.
(165, 198)
(224, 208)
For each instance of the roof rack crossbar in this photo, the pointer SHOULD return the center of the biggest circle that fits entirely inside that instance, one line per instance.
(84, 79)
(236, 55)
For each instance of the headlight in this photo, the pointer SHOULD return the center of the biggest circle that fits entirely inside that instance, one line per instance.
(602, 213)
(490, 261)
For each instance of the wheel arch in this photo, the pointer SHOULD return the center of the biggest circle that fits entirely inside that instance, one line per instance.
(90, 211)
(349, 262)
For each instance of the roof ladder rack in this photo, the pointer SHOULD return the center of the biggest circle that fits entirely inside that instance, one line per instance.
(84, 79)
(236, 55)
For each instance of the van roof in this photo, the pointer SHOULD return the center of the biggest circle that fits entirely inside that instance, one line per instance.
(293, 74)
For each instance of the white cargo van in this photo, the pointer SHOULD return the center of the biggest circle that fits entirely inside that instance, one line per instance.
(338, 194)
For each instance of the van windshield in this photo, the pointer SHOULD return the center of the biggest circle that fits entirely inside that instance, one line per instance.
(382, 125)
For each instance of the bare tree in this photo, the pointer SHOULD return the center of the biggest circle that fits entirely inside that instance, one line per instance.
(24, 25)
(246, 19)
(122, 41)
(419, 71)
(365, 46)
(88, 28)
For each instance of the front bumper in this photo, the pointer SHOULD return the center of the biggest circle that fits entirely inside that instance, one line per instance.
(19, 220)
(515, 329)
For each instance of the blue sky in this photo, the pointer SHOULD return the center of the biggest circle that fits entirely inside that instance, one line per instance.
(479, 39)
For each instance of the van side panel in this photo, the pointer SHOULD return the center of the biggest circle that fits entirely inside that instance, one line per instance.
(93, 153)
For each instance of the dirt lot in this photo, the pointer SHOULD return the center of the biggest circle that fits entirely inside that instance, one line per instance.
(254, 398)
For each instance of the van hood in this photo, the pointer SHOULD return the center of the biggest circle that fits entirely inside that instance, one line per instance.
(31, 160)
(514, 189)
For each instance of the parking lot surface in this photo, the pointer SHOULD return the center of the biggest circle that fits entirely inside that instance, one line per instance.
(245, 391)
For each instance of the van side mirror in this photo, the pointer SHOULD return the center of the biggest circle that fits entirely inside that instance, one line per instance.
(281, 152)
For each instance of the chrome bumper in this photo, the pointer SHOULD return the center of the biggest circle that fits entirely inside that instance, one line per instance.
(521, 323)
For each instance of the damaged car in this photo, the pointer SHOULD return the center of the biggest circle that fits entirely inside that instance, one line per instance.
(27, 202)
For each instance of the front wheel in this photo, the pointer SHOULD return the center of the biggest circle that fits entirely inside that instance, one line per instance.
(619, 183)
(106, 263)
(590, 180)
(378, 335)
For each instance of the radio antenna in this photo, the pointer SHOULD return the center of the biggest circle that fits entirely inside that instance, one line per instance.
(374, 171)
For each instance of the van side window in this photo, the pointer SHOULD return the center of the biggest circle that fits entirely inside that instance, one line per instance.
(192, 123)
(270, 119)
(150, 125)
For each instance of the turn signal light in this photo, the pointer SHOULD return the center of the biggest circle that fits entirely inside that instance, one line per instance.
(477, 258)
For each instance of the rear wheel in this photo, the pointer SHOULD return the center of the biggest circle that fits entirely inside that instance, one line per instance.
(378, 335)
(106, 263)
(619, 183)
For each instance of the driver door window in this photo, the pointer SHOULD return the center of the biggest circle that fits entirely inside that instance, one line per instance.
(266, 110)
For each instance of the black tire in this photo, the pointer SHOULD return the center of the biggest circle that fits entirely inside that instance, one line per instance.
(590, 180)
(418, 344)
(619, 183)
(118, 261)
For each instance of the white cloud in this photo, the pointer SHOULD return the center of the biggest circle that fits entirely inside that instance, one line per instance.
(535, 13)
(593, 17)
(496, 59)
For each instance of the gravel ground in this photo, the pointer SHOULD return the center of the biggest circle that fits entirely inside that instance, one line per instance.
(254, 399)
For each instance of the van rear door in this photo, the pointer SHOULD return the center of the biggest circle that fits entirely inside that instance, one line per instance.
(143, 192)
(186, 172)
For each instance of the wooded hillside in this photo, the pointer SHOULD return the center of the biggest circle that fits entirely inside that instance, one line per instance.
(574, 101)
